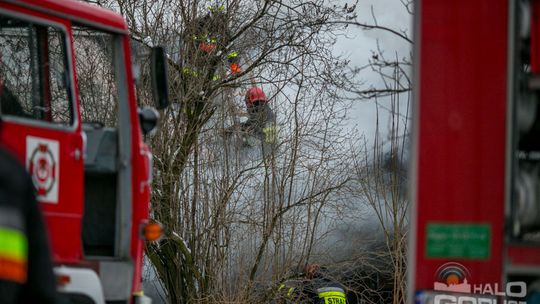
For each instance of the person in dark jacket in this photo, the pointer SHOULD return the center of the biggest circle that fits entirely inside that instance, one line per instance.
(320, 288)
(26, 274)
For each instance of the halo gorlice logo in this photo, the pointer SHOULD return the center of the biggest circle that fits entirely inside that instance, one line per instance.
(452, 284)
(452, 277)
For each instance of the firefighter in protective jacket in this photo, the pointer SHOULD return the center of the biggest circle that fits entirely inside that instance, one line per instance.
(210, 37)
(261, 119)
(320, 288)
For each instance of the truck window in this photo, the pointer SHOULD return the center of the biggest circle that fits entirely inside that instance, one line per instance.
(94, 62)
(34, 74)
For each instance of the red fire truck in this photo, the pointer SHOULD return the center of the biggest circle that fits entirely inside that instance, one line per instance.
(476, 143)
(70, 114)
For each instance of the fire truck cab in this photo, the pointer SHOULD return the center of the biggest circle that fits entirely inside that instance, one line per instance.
(475, 182)
(70, 114)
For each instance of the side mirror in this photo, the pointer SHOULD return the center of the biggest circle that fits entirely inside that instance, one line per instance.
(148, 117)
(160, 86)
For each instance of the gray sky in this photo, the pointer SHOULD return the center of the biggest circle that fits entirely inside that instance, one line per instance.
(357, 45)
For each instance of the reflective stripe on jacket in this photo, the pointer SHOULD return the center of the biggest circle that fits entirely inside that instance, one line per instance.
(332, 295)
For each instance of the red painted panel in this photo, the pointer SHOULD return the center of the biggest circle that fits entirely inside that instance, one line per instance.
(141, 170)
(141, 206)
(462, 121)
(63, 218)
(535, 36)
(522, 255)
(78, 11)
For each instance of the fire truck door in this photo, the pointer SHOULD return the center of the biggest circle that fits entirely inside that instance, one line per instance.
(40, 122)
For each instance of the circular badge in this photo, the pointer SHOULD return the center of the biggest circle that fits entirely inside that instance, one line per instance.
(42, 169)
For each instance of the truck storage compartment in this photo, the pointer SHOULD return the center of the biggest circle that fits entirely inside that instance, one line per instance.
(100, 208)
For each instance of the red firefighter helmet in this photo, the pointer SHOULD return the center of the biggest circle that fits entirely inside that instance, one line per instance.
(255, 94)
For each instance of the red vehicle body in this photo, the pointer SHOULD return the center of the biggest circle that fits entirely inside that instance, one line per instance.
(89, 175)
(475, 216)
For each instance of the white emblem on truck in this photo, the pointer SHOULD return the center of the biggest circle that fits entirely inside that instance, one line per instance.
(42, 163)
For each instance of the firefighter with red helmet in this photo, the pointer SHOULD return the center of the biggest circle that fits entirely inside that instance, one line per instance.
(261, 119)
